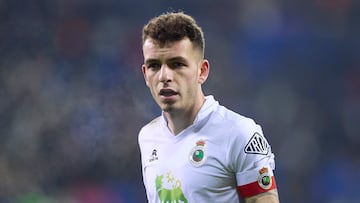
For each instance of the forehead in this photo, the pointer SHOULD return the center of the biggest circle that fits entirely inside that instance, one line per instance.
(154, 50)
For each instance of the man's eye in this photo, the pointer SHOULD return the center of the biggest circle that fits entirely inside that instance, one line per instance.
(178, 64)
(154, 66)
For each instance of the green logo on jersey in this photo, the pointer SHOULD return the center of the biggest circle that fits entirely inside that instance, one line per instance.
(169, 195)
(198, 155)
(264, 179)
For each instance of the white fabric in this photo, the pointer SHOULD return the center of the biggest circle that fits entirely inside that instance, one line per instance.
(226, 164)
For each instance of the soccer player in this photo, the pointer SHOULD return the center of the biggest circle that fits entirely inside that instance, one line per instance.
(197, 150)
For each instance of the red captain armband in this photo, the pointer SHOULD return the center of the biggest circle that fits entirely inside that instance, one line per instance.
(264, 184)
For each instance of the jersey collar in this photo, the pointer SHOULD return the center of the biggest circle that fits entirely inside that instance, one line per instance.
(209, 106)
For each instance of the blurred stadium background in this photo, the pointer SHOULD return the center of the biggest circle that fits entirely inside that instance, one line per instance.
(72, 96)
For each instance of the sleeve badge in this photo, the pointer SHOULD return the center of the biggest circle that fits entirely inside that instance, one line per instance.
(264, 180)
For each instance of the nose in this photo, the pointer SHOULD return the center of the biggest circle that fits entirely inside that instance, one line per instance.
(165, 74)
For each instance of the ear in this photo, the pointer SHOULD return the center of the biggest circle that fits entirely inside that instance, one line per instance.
(204, 71)
(143, 69)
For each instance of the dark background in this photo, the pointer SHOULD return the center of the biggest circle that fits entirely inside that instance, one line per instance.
(72, 95)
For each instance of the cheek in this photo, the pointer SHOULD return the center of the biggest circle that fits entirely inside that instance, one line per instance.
(149, 80)
(191, 84)
(151, 84)
(152, 91)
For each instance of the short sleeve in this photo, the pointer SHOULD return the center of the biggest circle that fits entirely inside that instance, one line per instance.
(253, 161)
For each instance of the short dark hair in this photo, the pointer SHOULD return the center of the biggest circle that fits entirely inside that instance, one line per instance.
(174, 26)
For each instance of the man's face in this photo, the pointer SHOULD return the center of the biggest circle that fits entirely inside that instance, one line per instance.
(174, 73)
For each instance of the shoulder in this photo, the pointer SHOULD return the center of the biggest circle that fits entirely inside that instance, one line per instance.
(152, 123)
(152, 126)
(242, 132)
(238, 124)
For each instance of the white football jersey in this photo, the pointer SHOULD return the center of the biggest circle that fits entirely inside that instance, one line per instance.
(221, 157)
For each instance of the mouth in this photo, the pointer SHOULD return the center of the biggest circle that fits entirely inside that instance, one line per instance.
(167, 92)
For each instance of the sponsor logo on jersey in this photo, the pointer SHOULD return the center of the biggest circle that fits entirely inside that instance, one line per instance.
(257, 145)
(197, 154)
(170, 191)
(153, 156)
(264, 179)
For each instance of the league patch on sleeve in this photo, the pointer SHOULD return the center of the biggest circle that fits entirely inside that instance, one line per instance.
(264, 183)
(265, 180)
(257, 145)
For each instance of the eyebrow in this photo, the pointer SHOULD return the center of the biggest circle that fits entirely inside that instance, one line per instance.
(148, 61)
(177, 58)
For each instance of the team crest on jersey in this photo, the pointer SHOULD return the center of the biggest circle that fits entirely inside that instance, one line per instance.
(197, 154)
(264, 180)
(257, 145)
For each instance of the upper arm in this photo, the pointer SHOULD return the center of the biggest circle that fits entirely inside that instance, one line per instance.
(270, 196)
(254, 165)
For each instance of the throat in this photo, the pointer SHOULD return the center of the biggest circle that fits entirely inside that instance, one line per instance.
(178, 122)
(180, 119)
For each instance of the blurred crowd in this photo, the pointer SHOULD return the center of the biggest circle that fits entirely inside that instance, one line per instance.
(72, 95)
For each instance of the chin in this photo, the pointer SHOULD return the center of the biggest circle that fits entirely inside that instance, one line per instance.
(168, 108)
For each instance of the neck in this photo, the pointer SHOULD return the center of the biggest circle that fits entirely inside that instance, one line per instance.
(179, 120)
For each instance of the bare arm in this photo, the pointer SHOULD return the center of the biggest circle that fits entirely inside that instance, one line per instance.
(270, 196)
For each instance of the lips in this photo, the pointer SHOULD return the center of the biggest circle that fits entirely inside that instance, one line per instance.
(167, 92)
